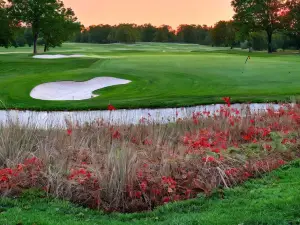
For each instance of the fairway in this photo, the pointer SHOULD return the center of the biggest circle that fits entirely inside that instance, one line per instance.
(162, 75)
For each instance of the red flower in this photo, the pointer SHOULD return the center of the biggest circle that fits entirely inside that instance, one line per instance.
(147, 142)
(268, 147)
(227, 101)
(166, 199)
(216, 150)
(188, 193)
(284, 141)
(69, 132)
(111, 107)
(143, 186)
(247, 137)
(138, 194)
(281, 162)
(247, 175)
(116, 135)
(208, 159)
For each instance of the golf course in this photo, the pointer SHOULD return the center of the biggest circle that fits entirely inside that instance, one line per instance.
(159, 112)
(161, 75)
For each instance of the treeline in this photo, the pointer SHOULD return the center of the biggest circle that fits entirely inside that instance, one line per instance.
(256, 24)
(131, 33)
(223, 34)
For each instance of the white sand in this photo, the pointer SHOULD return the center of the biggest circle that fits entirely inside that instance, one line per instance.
(70, 90)
(57, 56)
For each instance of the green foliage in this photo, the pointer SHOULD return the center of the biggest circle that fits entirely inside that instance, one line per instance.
(258, 15)
(48, 18)
(223, 34)
(99, 34)
(147, 32)
(165, 34)
(292, 20)
(126, 33)
(258, 41)
(59, 28)
(6, 27)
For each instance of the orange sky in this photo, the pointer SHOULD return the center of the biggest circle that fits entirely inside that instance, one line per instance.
(157, 12)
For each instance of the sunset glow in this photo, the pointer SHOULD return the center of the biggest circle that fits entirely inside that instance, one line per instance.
(157, 12)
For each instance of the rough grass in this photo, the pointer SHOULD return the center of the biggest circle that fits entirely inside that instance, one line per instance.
(138, 167)
(272, 199)
(177, 77)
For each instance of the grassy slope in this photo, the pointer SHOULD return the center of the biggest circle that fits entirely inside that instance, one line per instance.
(177, 77)
(273, 199)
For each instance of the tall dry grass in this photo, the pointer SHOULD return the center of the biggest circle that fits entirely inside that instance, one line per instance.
(137, 167)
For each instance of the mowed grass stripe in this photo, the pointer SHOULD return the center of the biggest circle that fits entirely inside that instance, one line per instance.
(159, 79)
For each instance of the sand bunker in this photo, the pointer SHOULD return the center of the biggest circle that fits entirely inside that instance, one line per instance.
(57, 56)
(70, 90)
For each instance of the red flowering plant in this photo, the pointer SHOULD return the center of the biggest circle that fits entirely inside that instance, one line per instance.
(22, 176)
(131, 168)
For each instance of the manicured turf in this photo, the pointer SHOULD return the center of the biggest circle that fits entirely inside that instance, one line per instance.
(163, 75)
(273, 199)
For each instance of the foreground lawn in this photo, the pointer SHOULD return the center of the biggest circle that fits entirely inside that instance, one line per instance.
(162, 75)
(272, 199)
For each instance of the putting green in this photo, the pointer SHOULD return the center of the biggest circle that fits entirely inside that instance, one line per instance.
(183, 75)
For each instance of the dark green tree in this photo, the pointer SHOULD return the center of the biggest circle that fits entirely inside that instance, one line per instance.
(7, 28)
(99, 34)
(257, 15)
(28, 36)
(292, 20)
(127, 33)
(36, 14)
(59, 28)
(147, 32)
(187, 33)
(218, 33)
(165, 34)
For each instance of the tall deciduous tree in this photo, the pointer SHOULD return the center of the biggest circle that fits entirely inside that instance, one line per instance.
(6, 27)
(218, 33)
(258, 15)
(59, 28)
(292, 20)
(35, 13)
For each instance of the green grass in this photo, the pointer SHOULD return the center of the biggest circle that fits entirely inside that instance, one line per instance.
(272, 199)
(182, 75)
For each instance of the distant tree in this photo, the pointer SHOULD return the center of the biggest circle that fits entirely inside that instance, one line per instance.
(202, 35)
(99, 34)
(84, 37)
(218, 33)
(257, 15)
(147, 32)
(126, 33)
(28, 36)
(292, 20)
(165, 34)
(20, 40)
(59, 28)
(258, 41)
(36, 14)
(6, 27)
(231, 38)
(187, 33)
